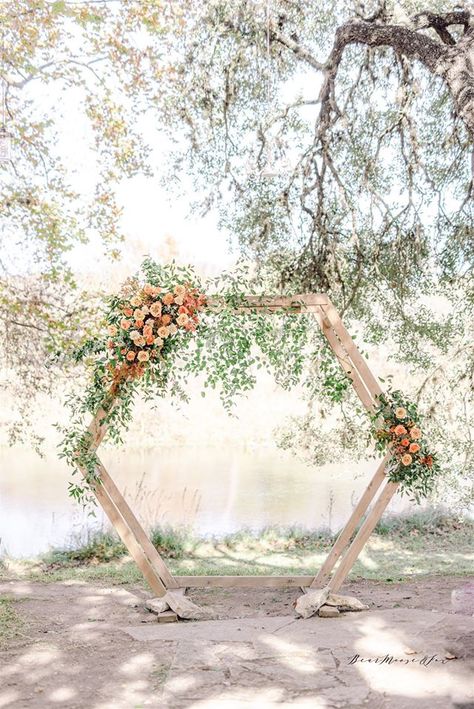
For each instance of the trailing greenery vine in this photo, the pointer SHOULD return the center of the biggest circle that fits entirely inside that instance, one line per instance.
(161, 328)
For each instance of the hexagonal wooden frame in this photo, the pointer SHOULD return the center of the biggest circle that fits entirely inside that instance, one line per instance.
(147, 558)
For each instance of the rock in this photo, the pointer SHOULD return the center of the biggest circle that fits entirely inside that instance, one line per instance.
(177, 602)
(328, 612)
(157, 605)
(345, 603)
(309, 604)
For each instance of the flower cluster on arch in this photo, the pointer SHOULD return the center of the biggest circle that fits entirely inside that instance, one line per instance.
(142, 322)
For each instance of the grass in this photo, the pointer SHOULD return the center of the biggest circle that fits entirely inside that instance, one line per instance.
(11, 622)
(422, 543)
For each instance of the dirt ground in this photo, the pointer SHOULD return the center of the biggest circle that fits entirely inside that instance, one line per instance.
(84, 645)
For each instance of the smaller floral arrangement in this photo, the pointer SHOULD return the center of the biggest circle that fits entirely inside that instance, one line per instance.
(144, 320)
(396, 427)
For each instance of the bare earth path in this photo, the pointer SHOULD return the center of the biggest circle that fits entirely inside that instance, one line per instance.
(84, 645)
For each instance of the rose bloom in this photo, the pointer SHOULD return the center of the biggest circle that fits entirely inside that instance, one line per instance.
(166, 319)
(179, 290)
(400, 413)
(173, 329)
(168, 298)
(155, 310)
(125, 324)
(179, 299)
(150, 340)
(128, 312)
(405, 442)
(406, 459)
(139, 323)
(111, 344)
(112, 330)
(189, 326)
(134, 334)
(182, 309)
(147, 331)
(130, 356)
(163, 332)
(182, 319)
(123, 350)
(414, 448)
(400, 430)
(158, 342)
(148, 289)
(415, 433)
(150, 322)
(143, 356)
(140, 341)
(135, 301)
(139, 314)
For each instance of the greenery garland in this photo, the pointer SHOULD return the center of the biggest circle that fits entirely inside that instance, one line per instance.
(159, 330)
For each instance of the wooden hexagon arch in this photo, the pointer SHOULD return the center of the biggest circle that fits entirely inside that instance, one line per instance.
(348, 545)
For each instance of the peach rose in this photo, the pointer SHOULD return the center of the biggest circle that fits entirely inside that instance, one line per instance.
(128, 312)
(182, 309)
(173, 329)
(148, 289)
(140, 341)
(130, 356)
(158, 342)
(405, 442)
(166, 319)
(147, 331)
(400, 430)
(135, 301)
(143, 356)
(406, 459)
(182, 319)
(415, 433)
(168, 298)
(125, 324)
(163, 332)
(179, 290)
(123, 350)
(138, 314)
(400, 413)
(150, 322)
(139, 323)
(179, 299)
(150, 340)
(112, 330)
(155, 310)
(414, 448)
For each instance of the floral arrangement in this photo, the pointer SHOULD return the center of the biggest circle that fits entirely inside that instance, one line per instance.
(143, 321)
(396, 427)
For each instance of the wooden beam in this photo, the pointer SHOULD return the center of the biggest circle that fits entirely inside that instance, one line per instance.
(344, 360)
(128, 537)
(320, 580)
(156, 560)
(335, 319)
(243, 581)
(362, 536)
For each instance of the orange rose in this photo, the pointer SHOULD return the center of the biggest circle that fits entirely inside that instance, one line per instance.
(182, 309)
(406, 459)
(147, 331)
(168, 298)
(143, 356)
(166, 319)
(125, 324)
(139, 323)
(415, 433)
(405, 442)
(140, 341)
(150, 340)
(155, 310)
(130, 356)
(400, 430)
(414, 448)
(128, 312)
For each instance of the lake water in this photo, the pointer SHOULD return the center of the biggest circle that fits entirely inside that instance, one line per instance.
(212, 490)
